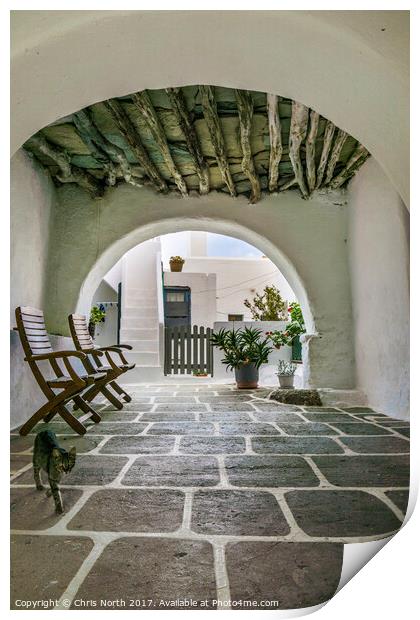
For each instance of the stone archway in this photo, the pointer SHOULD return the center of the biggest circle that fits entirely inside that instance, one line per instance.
(304, 239)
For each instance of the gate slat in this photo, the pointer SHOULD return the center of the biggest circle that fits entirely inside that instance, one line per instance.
(188, 345)
(167, 366)
(202, 367)
(176, 350)
(182, 349)
(195, 348)
(208, 350)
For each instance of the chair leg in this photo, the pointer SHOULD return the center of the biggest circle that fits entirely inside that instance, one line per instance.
(80, 403)
(112, 399)
(75, 424)
(120, 390)
(48, 410)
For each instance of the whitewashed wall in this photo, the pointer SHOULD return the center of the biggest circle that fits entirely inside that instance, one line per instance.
(32, 199)
(379, 267)
(239, 279)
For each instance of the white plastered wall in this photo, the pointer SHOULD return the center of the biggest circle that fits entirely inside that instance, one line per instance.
(379, 267)
(32, 199)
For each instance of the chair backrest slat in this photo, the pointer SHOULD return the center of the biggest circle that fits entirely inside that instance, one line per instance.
(32, 331)
(83, 341)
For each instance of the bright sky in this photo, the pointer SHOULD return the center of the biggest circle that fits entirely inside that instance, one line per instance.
(220, 245)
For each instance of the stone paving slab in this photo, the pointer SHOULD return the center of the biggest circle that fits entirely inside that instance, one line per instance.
(378, 445)
(169, 416)
(294, 575)
(189, 400)
(229, 407)
(392, 423)
(295, 445)
(277, 418)
(365, 471)
(223, 416)
(182, 408)
(17, 461)
(269, 471)
(223, 398)
(117, 428)
(131, 510)
(43, 566)
(212, 445)
(315, 409)
(142, 444)
(83, 444)
(341, 513)
(179, 471)
(89, 469)
(252, 428)
(33, 510)
(181, 428)
(237, 513)
(159, 570)
(21, 444)
(329, 417)
(308, 428)
(400, 499)
(116, 415)
(360, 428)
(272, 406)
(133, 406)
(403, 431)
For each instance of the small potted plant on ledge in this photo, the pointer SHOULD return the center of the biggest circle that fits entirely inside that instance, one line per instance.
(97, 315)
(286, 374)
(176, 263)
(245, 351)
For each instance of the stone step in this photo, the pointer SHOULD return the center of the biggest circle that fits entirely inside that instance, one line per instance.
(144, 358)
(143, 333)
(138, 322)
(146, 309)
(144, 345)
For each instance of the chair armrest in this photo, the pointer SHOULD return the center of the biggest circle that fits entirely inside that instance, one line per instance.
(125, 346)
(58, 355)
(98, 352)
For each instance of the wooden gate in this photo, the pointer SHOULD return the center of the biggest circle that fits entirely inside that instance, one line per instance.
(188, 350)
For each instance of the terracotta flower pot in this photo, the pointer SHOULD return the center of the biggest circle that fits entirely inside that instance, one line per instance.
(176, 266)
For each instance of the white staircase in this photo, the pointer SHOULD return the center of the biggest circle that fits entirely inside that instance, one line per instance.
(140, 311)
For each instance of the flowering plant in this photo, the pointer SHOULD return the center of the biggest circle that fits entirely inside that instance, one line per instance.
(294, 328)
(177, 259)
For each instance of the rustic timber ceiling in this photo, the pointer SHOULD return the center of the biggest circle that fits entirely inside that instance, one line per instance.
(198, 139)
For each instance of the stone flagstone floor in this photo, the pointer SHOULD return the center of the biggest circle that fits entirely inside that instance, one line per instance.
(204, 496)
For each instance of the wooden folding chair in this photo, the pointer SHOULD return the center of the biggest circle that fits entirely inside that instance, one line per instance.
(37, 347)
(84, 343)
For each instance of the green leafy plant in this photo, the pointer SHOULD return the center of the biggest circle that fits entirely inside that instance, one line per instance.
(294, 328)
(97, 315)
(286, 369)
(270, 306)
(177, 259)
(242, 347)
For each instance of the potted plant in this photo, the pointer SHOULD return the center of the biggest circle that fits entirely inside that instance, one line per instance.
(286, 374)
(176, 263)
(245, 350)
(293, 330)
(97, 315)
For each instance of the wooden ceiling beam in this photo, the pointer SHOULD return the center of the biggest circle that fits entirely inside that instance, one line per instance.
(38, 144)
(356, 160)
(328, 138)
(310, 150)
(276, 147)
(145, 107)
(179, 108)
(245, 105)
(209, 106)
(97, 142)
(131, 135)
(335, 154)
(298, 129)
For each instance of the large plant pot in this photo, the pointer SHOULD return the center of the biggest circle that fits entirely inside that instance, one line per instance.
(176, 266)
(246, 376)
(286, 381)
